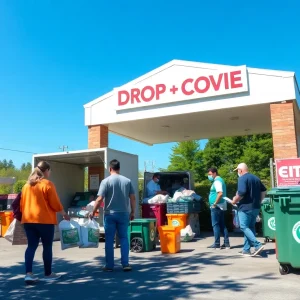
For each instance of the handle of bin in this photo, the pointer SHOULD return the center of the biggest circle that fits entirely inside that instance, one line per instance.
(284, 201)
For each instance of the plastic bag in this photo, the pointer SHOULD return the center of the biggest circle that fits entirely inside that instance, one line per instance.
(15, 233)
(90, 233)
(70, 236)
(236, 222)
(187, 234)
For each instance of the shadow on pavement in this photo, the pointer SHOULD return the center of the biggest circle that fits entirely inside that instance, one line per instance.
(157, 277)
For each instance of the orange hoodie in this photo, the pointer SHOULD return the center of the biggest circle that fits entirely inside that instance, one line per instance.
(40, 203)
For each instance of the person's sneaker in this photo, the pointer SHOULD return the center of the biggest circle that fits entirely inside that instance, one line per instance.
(245, 253)
(214, 247)
(52, 277)
(30, 279)
(127, 268)
(106, 269)
(225, 247)
(258, 250)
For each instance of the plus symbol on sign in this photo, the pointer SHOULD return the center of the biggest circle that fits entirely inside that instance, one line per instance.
(174, 89)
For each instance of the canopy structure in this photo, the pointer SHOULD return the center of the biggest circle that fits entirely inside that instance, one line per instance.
(184, 100)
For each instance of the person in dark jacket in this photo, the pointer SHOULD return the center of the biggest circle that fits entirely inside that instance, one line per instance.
(251, 192)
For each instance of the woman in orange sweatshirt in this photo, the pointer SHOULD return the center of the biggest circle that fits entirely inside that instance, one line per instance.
(39, 205)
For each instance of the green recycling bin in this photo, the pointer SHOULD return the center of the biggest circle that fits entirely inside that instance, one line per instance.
(287, 214)
(141, 234)
(268, 220)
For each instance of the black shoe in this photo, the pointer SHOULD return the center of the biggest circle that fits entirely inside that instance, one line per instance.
(227, 247)
(127, 268)
(105, 269)
(213, 246)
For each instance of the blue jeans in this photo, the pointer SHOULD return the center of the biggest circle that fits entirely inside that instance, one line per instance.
(116, 222)
(247, 221)
(34, 233)
(218, 224)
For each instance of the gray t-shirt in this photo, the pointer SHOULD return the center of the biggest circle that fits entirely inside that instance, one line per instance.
(116, 190)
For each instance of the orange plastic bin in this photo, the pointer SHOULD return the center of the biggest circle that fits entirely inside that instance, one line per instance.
(169, 239)
(177, 220)
(6, 217)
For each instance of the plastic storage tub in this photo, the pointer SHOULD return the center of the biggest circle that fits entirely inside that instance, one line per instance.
(177, 220)
(287, 214)
(268, 221)
(6, 217)
(157, 211)
(169, 239)
(141, 235)
(183, 207)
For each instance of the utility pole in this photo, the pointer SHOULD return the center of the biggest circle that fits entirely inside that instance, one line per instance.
(63, 148)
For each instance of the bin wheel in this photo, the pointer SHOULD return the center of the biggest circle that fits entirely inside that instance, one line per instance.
(267, 240)
(136, 244)
(154, 246)
(284, 269)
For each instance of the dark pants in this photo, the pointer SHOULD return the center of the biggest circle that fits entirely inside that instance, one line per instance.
(34, 233)
(218, 224)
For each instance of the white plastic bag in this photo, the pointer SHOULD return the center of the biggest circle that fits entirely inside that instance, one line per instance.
(236, 222)
(187, 234)
(70, 236)
(9, 235)
(90, 233)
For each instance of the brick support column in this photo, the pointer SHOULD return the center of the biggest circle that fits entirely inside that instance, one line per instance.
(97, 138)
(284, 130)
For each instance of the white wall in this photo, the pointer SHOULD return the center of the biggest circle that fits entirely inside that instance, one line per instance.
(129, 169)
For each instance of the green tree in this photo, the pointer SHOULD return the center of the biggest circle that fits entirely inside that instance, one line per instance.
(187, 156)
(226, 153)
(19, 185)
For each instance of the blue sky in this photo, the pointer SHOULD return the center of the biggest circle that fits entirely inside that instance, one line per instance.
(57, 55)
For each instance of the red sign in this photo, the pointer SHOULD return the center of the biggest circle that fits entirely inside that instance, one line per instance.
(288, 172)
(208, 85)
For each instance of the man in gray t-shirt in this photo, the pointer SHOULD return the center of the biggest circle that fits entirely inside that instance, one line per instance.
(119, 206)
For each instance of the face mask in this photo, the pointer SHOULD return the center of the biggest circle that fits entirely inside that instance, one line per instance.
(239, 174)
(210, 178)
(157, 180)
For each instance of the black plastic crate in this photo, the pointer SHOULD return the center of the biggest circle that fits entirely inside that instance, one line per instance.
(187, 207)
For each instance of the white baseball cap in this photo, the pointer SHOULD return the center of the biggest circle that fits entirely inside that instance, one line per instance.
(241, 166)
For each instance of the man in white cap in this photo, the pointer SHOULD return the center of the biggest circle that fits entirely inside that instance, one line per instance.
(251, 192)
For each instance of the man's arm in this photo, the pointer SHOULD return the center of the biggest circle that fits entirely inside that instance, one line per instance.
(262, 192)
(132, 205)
(97, 205)
(132, 201)
(100, 198)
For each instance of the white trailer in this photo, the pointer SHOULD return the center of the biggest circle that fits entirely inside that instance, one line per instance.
(68, 170)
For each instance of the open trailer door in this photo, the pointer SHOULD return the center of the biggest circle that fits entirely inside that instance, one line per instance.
(69, 172)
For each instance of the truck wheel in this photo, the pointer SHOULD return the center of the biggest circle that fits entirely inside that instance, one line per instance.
(136, 245)
(283, 269)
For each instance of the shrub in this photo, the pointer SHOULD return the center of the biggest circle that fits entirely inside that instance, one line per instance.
(19, 185)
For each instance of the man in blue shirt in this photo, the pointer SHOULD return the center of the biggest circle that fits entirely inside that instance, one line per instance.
(118, 195)
(153, 188)
(250, 193)
(218, 206)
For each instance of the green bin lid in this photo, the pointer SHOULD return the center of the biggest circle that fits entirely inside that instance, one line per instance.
(285, 190)
(143, 220)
